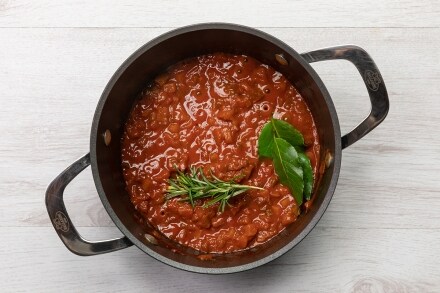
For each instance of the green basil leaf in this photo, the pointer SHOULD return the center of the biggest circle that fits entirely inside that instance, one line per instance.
(284, 144)
(288, 168)
(287, 132)
(281, 129)
(308, 174)
(266, 141)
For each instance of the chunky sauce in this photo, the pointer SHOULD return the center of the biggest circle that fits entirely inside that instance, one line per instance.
(208, 112)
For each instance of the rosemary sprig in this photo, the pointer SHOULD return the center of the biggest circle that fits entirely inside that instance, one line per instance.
(195, 185)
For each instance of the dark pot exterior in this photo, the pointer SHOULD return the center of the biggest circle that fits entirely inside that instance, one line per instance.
(154, 57)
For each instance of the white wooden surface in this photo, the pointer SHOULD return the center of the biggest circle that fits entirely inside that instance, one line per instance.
(381, 232)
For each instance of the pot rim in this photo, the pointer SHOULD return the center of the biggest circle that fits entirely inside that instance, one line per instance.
(336, 156)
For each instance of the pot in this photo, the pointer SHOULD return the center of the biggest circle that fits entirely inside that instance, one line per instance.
(154, 57)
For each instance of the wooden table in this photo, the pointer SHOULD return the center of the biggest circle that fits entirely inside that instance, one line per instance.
(381, 232)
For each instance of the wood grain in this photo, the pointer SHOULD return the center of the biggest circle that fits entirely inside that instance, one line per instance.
(370, 260)
(168, 13)
(381, 230)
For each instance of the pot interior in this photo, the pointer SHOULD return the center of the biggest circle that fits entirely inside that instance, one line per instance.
(152, 59)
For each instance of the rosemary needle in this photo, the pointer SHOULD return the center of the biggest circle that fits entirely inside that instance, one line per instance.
(195, 185)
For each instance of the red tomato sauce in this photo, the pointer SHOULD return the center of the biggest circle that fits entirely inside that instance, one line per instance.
(208, 112)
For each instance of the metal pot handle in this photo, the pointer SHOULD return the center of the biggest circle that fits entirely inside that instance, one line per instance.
(62, 223)
(372, 79)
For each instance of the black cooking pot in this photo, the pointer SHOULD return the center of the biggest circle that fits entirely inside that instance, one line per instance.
(154, 57)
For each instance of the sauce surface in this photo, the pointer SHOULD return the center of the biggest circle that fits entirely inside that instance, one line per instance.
(208, 112)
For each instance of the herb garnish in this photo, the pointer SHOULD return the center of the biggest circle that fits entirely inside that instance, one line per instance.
(284, 144)
(195, 185)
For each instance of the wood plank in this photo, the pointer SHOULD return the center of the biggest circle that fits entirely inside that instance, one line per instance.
(368, 260)
(280, 13)
(51, 83)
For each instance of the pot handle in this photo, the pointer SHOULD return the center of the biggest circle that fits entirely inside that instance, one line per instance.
(62, 223)
(372, 79)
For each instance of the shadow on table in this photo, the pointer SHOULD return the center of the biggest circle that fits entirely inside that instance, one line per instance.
(280, 272)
